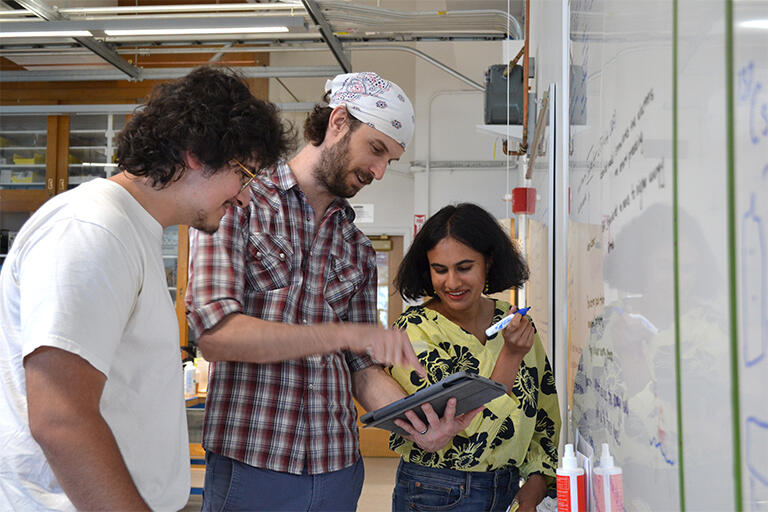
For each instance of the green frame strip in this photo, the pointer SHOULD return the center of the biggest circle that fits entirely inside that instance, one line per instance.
(731, 214)
(676, 261)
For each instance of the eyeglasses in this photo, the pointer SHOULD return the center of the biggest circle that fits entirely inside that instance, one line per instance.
(247, 175)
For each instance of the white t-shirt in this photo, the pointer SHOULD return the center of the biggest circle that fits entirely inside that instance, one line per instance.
(85, 274)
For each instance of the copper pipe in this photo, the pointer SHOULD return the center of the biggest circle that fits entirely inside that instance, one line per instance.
(513, 62)
(523, 148)
(524, 143)
(538, 132)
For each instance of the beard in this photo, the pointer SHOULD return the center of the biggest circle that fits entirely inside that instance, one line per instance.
(204, 223)
(333, 170)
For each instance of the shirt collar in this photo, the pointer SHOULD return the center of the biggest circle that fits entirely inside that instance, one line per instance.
(283, 178)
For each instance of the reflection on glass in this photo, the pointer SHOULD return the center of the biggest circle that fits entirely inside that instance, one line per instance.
(170, 255)
(92, 146)
(23, 141)
(382, 290)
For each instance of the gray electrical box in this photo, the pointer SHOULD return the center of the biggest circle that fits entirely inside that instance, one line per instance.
(500, 108)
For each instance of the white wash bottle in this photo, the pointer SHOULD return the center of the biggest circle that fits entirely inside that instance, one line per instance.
(571, 484)
(609, 490)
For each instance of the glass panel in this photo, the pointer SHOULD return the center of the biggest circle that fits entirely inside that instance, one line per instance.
(170, 257)
(22, 151)
(92, 146)
(382, 292)
(750, 266)
(10, 223)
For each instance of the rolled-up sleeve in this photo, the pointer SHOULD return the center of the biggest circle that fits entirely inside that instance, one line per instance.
(216, 272)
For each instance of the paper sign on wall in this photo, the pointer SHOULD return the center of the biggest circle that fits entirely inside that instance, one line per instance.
(363, 213)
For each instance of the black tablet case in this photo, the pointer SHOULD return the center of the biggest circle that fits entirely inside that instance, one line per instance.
(470, 391)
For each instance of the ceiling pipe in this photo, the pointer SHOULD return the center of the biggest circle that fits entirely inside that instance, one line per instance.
(256, 49)
(424, 56)
(337, 12)
(218, 55)
(294, 9)
(119, 108)
(329, 37)
(345, 7)
(67, 75)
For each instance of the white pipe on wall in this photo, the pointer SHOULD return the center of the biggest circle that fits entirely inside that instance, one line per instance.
(432, 98)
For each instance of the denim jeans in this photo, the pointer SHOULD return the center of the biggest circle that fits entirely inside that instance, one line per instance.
(233, 485)
(427, 489)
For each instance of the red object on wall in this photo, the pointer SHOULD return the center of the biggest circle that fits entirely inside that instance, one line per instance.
(418, 221)
(523, 200)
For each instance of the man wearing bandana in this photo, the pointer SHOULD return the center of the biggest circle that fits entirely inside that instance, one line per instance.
(281, 300)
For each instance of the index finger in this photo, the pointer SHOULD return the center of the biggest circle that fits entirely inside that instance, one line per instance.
(411, 359)
(512, 326)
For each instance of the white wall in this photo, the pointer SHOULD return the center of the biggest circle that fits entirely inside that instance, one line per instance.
(446, 120)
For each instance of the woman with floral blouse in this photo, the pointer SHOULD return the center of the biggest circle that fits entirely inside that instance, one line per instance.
(460, 255)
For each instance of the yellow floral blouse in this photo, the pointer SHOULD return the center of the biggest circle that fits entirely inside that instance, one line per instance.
(521, 430)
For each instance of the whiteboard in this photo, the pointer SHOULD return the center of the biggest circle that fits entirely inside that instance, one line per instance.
(649, 294)
(750, 166)
(620, 175)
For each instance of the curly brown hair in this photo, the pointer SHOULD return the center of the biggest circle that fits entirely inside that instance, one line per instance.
(316, 122)
(210, 113)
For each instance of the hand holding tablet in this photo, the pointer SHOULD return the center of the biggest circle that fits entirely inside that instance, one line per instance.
(469, 390)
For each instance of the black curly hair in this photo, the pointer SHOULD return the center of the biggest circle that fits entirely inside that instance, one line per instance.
(316, 123)
(474, 227)
(210, 113)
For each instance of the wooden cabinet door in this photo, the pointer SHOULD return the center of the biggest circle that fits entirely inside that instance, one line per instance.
(28, 146)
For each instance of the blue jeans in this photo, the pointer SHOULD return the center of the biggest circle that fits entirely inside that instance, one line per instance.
(422, 488)
(233, 485)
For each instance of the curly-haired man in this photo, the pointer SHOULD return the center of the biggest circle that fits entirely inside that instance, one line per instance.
(91, 405)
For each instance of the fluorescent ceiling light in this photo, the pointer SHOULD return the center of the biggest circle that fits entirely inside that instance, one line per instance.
(130, 26)
(192, 31)
(48, 33)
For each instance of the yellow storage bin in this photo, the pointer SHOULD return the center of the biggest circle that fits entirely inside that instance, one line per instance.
(22, 176)
(37, 158)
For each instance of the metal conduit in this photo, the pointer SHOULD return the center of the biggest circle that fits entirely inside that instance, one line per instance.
(400, 15)
(424, 56)
(222, 50)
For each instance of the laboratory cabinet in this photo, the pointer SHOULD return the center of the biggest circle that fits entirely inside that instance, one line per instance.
(44, 155)
(41, 156)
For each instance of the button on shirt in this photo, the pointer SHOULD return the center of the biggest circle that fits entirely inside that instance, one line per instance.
(271, 261)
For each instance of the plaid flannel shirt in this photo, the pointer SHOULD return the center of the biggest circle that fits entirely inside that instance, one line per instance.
(271, 261)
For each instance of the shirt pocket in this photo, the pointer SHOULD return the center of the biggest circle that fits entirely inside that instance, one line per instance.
(270, 262)
(342, 282)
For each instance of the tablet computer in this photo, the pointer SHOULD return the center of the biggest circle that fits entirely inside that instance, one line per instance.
(471, 391)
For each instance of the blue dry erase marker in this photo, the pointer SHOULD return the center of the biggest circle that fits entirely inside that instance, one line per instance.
(504, 321)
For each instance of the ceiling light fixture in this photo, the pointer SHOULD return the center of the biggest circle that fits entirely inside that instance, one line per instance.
(192, 31)
(130, 26)
(47, 33)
